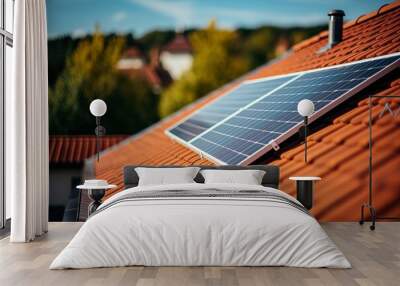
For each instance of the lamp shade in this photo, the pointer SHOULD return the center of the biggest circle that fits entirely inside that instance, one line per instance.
(305, 107)
(98, 107)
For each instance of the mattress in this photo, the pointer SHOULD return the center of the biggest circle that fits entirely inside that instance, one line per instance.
(201, 225)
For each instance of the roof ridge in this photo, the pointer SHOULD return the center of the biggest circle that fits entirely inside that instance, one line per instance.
(360, 19)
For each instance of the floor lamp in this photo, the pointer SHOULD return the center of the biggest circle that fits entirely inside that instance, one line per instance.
(369, 205)
(305, 108)
(98, 108)
(96, 189)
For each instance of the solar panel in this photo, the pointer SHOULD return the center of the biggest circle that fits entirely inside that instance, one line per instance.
(224, 106)
(247, 133)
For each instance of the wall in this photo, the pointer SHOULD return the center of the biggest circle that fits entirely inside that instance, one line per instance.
(176, 64)
(60, 185)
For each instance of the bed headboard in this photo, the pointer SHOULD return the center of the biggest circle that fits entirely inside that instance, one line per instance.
(270, 179)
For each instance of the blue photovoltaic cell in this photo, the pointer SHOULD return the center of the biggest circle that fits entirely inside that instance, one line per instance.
(240, 136)
(225, 106)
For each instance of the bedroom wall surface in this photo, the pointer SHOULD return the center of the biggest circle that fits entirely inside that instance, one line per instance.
(338, 147)
(122, 60)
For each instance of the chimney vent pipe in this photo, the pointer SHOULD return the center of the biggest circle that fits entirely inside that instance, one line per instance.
(335, 27)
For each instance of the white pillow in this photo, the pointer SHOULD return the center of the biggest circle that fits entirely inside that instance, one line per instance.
(165, 176)
(248, 177)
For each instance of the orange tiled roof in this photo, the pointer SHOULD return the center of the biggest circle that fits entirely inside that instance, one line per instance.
(180, 44)
(74, 149)
(132, 52)
(338, 151)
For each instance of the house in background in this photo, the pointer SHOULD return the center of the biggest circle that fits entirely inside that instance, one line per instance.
(67, 154)
(338, 145)
(134, 65)
(163, 67)
(176, 57)
(131, 59)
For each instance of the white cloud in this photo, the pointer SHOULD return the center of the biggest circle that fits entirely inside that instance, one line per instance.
(78, 33)
(119, 16)
(242, 16)
(180, 11)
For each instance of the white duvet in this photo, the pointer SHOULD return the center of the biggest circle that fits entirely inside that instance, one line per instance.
(200, 231)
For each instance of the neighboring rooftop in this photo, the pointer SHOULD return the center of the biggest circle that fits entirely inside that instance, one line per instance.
(176, 57)
(131, 53)
(133, 64)
(180, 44)
(338, 146)
(75, 149)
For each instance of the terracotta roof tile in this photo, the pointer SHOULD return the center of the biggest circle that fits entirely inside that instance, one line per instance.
(68, 149)
(342, 134)
(318, 136)
(315, 151)
(347, 117)
(388, 7)
(337, 155)
(289, 155)
(338, 151)
(180, 44)
(132, 52)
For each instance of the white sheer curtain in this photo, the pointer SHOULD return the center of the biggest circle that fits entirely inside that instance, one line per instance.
(27, 124)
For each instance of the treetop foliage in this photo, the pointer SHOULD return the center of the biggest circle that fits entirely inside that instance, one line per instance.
(89, 74)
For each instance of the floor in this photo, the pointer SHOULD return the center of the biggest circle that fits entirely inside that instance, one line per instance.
(375, 257)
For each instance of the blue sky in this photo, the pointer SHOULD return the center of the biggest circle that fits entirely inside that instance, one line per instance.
(78, 17)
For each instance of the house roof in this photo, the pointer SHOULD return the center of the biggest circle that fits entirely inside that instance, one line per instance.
(180, 44)
(132, 52)
(153, 72)
(156, 76)
(338, 150)
(74, 149)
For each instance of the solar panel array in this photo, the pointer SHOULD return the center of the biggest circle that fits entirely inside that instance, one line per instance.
(224, 106)
(240, 126)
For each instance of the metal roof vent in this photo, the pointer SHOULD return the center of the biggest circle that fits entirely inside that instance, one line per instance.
(335, 29)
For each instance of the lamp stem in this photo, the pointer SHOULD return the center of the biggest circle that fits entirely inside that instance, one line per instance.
(97, 137)
(305, 138)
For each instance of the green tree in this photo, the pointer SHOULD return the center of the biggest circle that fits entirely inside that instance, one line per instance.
(217, 60)
(90, 73)
(259, 47)
(155, 39)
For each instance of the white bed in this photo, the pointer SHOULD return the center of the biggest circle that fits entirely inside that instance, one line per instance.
(203, 231)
